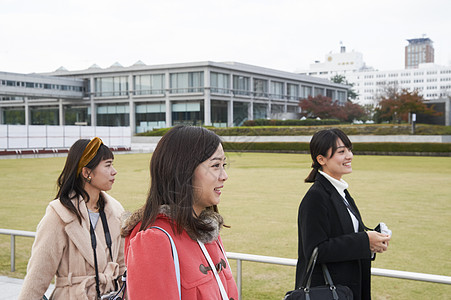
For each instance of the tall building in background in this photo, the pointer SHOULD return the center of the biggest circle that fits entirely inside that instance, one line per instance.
(419, 51)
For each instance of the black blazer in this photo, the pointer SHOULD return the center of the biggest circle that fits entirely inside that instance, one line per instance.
(324, 221)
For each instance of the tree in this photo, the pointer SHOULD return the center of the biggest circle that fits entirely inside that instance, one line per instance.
(324, 108)
(397, 106)
(352, 95)
(354, 111)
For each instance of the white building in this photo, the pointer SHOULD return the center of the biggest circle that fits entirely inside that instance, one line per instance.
(431, 80)
(146, 97)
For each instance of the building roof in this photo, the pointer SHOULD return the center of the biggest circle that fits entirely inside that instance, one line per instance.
(420, 41)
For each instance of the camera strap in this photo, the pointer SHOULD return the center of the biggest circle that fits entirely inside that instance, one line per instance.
(356, 215)
(94, 246)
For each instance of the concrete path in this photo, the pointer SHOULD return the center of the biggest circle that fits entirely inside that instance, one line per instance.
(10, 288)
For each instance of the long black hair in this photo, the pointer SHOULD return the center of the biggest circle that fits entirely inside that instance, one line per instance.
(70, 184)
(320, 144)
(172, 166)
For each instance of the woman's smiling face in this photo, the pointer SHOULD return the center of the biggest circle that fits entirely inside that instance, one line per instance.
(208, 180)
(339, 164)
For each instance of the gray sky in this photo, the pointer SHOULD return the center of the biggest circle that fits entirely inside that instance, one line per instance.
(289, 35)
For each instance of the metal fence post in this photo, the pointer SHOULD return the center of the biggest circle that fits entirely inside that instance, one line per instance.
(239, 276)
(13, 252)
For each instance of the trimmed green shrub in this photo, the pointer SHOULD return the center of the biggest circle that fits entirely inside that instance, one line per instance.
(350, 129)
(382, 148)
(292, 122)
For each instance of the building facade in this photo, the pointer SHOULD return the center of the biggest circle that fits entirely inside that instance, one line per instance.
(431, 80)
(418, 51)
(146, 97)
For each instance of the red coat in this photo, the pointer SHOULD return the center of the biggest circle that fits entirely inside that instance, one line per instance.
(150, 266)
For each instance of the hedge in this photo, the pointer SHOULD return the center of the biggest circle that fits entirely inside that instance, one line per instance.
(367, 129)
(293, 122)
(363, 148)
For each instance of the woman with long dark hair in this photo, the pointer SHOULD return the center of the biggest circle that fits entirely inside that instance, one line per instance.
(78, 239)
(187, 175)
(330, 220)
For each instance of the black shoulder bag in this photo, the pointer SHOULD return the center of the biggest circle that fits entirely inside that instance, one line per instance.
(330, 291)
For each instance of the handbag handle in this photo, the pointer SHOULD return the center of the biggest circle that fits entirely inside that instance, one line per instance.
(309, 272)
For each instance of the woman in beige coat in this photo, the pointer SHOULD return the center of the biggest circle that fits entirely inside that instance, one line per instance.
(63, 244)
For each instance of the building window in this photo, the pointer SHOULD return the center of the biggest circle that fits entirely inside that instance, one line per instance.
(149, 84)
(260, 111)
(292, 91)
(240, 113)
(219, 113)
(277, 89)
(219, 83)
(260, 88)
(113, 115)
(277, 111)
(77, 115)
(341, 96)
(188, 82)
(241, 85)
(111, 86)
(189, 113)
(292, 109)
(13, 116)
(306, 91)
(149, 116)
(44, 115)
(318, 91)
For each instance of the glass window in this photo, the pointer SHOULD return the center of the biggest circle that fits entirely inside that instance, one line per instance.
(240, 113)
(189, 113)
(292, 109)
(277, 89)
(277, 111)
(241, 85)
(77, 115)
(149, 84)
(13, 116)
(306, 91)
(150, 116)
(219, 83)
(219, 113)
(189, 82)
(111, 86)
(44, 115)
(260, 111)
(292, 91)
(341, 96)
(113, 115)
(260, 88)
(318, 91)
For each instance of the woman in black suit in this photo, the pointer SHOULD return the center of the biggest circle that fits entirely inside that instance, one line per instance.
(330, 220)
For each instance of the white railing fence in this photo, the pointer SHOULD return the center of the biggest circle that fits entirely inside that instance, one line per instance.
(240, 257)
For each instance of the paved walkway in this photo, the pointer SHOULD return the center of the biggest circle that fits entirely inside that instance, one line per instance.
(10, 288)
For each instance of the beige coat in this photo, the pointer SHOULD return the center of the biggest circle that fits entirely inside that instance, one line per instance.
(63, 247)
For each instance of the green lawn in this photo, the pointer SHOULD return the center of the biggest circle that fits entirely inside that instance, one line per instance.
(260, 201)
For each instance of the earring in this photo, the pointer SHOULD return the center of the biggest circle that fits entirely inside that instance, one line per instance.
(89, 179)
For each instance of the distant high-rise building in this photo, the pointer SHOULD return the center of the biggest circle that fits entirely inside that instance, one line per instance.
(419, 51)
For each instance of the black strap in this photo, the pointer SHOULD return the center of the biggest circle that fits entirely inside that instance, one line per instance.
(94, 245)
(351, 209)
(309, 272)
(106, 230)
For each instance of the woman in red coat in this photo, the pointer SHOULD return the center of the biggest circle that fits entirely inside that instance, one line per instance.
(187, 174)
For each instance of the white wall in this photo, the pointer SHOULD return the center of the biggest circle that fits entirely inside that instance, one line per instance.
(49, 136)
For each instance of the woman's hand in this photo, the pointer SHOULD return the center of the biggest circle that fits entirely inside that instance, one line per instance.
(378, 241)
